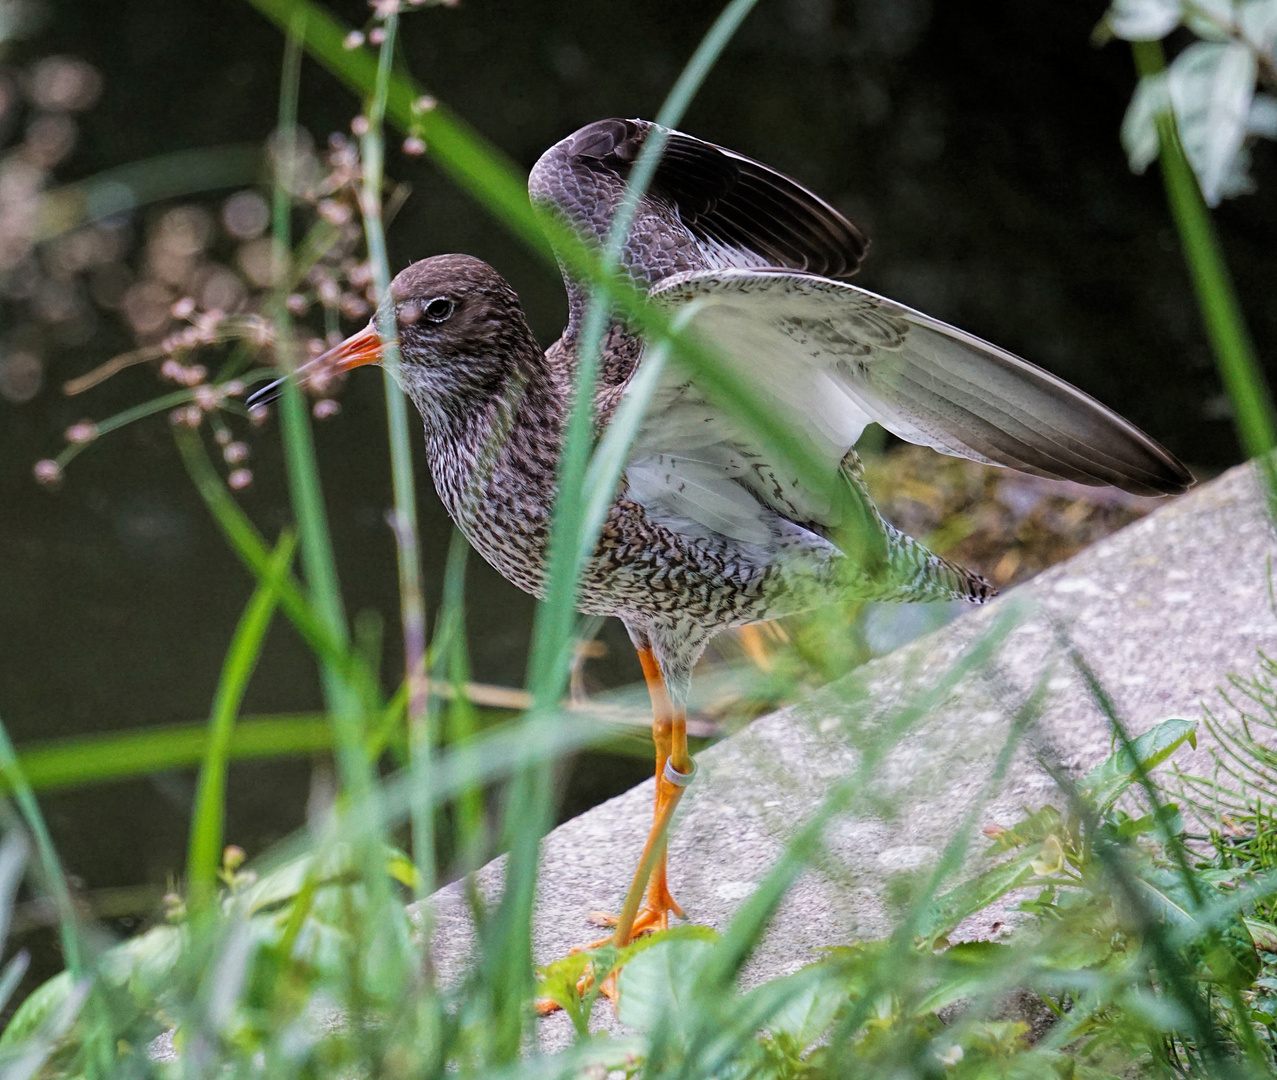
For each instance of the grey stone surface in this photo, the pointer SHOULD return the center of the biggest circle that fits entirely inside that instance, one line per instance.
(1163, 611)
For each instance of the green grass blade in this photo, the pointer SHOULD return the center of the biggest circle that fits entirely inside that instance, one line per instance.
(126, 187)
(299, 446)
(63, 764)
(412, 608)
(552, 633)
(510, 947)
(207, 821)
(1230, 339)
(74, 948)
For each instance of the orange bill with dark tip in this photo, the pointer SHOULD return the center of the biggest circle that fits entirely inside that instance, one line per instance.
(356, 351)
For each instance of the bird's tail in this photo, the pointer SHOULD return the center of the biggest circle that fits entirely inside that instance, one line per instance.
(914, 572)
(917, 573)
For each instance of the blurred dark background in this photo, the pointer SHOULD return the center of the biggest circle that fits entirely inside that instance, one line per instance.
(977, 144)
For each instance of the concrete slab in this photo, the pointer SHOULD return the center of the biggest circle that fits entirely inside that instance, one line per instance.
(1163, 611)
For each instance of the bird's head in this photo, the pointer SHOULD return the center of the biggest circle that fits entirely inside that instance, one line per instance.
(460, 330)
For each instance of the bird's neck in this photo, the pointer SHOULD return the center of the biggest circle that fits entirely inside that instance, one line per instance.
(503, 450)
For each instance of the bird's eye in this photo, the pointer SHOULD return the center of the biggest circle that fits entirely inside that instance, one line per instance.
(439, 309)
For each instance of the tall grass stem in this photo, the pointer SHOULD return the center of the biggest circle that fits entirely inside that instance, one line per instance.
(208, 819)
(412, 607)
(299, 446)
(1230, 339)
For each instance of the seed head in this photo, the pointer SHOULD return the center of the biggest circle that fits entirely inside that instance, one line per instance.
(353, 306)
(84, 431)
(235, 452)
(413, 146)
(239, 479)
(353, 40)
(324, 408)
(48, 472)
(337, 213)
(207, 397)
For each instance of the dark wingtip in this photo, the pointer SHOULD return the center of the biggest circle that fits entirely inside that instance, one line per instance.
(1180, 479)
(1171, 476)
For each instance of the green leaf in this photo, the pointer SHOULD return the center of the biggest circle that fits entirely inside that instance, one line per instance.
(655, 986)
(1263, 934)
(1143, 20)
(1107, 782)
(1211, 85)
(558, 981)
(947, 911)
(1032, 830)
(965, 968)
(40, 1005)
(1139, 126)
(1228, 950)
(808, 1013)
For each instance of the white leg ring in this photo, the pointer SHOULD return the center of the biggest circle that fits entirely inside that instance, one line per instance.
(679, 779)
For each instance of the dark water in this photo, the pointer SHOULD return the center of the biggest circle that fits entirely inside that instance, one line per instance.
(976, 143)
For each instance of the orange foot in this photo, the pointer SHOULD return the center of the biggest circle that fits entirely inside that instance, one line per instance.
(545, 1006)
(653, 916)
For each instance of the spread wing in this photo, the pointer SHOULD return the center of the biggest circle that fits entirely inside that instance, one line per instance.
(832, 358)
(706, 207)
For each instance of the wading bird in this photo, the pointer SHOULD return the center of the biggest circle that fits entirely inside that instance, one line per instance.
(709, 529)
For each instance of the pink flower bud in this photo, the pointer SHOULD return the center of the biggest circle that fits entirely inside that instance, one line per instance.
(48, 472)
(239, 479)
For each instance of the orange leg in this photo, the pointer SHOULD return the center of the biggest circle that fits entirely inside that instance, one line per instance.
(669, 732)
